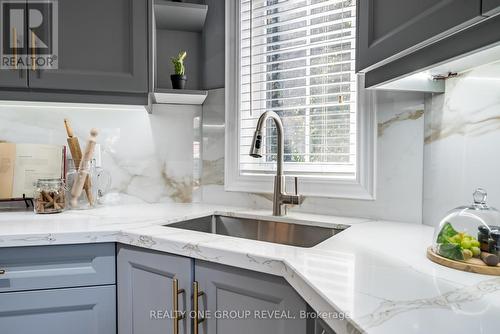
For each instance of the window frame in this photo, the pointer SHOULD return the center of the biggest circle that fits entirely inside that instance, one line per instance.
(363, 187)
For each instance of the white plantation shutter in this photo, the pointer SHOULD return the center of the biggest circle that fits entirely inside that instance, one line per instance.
(297, 59)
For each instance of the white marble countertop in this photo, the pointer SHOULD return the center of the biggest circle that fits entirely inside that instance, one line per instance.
(375, 272)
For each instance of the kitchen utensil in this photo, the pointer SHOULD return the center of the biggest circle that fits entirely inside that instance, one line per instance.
(83, 170)
(76, 154)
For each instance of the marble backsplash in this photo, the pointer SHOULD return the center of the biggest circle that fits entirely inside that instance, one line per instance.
(152, 158)
(399, 167)
(461, 142)
(441, 157)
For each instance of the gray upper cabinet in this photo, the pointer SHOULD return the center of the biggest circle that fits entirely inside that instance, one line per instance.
(226, 289)
(146, 291)
(388, 29)
(15, 78)
(103, 47)
(491, 7)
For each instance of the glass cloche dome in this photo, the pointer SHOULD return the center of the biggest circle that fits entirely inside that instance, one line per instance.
(466, 231)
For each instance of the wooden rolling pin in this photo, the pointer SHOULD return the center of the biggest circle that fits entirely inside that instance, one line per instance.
(489, 259)
(83, 171)
(76, 154)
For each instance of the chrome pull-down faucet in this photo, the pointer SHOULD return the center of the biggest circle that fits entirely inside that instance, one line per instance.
(280, 198)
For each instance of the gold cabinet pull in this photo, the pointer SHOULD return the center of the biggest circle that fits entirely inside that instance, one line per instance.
(175, 295)
(2, 271)
(33, 52)
(196, 318)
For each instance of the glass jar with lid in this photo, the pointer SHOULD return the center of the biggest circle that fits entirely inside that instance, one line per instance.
(466, 231)
(49, 196)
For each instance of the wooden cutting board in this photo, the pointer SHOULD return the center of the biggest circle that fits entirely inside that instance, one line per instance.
(472, 266)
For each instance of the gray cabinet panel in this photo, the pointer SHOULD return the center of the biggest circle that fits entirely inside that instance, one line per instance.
(90, 310)
(102, 47)
(16, 78)
(13, 78)
(467, 41)
(491, 7)
(387, 28)
(43, 267)
(145, 289)
(232, 289)
(320, 327)
(213, 46)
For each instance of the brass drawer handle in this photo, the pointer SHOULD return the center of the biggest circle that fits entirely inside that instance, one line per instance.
(196, 294)
(175, 295)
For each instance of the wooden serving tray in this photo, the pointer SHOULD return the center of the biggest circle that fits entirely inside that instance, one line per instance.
(473, 265)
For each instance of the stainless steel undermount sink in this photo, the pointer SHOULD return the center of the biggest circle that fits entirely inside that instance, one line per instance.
(257, 229)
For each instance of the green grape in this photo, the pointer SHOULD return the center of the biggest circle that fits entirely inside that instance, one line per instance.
(475, 243)
(466, 244)
(476, 251)
(467, 254)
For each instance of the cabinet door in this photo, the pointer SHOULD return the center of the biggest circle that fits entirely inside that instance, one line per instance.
(320, 327)
(12, 78)
(57, 266)
(233, 291)
(102, 47)
(388, 28)
(89, 310)
(145, 290)
(491, 7)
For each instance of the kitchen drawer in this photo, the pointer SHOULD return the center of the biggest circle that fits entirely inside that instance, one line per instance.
(44, 267)
(90, 310)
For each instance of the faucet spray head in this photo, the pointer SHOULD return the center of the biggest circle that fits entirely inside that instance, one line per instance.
(255, 149)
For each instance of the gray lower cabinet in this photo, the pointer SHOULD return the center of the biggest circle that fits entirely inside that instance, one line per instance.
(89, 310)
(227, 293)
(146, 291)
(102, 47)
(146, 297)
(320, 327)
(388, 28)
(58, 289)
(57, 266)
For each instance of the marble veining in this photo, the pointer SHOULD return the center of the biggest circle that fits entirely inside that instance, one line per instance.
(136, 147)
(400, 117)
(372, 278)
(449, 300)
(461, 135)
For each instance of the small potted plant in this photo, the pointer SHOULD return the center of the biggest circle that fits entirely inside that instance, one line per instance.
(179, 78)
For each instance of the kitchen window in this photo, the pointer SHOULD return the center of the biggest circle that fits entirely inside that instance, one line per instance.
(296, 57)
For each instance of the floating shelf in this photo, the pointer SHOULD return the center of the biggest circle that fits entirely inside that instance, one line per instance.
(179, 96)
(180, 15)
